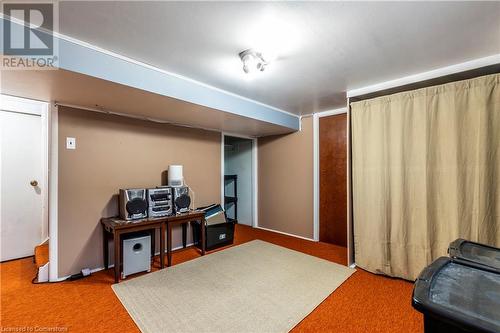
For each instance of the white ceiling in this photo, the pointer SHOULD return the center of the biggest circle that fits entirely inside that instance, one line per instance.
(323, 48)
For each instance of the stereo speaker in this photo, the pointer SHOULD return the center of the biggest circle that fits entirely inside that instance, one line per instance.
(182, 200)
(133, 204)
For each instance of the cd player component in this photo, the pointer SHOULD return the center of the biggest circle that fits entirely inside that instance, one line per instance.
(159, 202)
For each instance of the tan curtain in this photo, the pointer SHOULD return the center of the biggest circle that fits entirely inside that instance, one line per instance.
(426, 170)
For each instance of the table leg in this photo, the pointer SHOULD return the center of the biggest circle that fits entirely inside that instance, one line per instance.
(117, 242)
(105, 248)
(203, 234)
(152, 234)
(169, 244)
(184, 234)
(162, 245)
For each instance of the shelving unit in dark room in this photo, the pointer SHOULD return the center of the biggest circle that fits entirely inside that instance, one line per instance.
(228, 200)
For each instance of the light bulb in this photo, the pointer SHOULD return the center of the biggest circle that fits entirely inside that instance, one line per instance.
(252, 61)
(249, 64)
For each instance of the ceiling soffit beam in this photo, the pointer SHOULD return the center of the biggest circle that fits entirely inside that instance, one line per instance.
(77, 56)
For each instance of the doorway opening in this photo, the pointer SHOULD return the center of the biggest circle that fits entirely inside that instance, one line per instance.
(239, 179)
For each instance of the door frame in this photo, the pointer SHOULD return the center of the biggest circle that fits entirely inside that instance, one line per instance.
(316, 117)
(38, 108)
(255, 185)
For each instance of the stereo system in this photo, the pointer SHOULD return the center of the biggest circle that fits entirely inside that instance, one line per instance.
(138, 203)
(153, 202)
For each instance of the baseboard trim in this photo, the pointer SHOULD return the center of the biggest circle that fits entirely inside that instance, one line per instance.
(286, 233)
(60, 279)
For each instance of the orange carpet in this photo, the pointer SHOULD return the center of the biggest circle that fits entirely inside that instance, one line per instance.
(364, 303)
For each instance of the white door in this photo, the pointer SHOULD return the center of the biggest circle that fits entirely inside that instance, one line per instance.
(21, 179)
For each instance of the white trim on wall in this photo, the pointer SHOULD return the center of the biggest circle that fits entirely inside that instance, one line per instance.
(255, 183)
(350, 234)
(22, 105)
(53, 194)
(331, 112)
(316, 177)
(255, 179)
(316, 117)
(432, 74)
(45, 170)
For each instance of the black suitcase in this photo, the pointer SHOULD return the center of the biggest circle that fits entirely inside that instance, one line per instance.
(219, 231)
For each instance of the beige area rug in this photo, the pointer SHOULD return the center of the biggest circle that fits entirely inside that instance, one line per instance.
(253, 287)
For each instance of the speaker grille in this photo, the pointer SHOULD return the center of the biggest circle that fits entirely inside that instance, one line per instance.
(183, 201)
(136, 206)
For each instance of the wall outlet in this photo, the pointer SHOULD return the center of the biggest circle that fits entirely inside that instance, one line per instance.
(70, 143)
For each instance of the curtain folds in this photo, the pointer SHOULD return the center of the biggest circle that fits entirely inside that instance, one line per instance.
(425, 171)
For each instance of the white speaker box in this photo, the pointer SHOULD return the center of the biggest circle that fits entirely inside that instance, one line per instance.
(136, 255)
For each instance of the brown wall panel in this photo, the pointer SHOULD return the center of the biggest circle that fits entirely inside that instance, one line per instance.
(286, 181)
(114, 152)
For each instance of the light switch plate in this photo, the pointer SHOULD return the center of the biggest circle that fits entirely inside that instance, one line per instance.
(70, 143)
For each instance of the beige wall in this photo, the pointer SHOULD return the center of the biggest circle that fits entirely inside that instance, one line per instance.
(286, 181)
(115, 152)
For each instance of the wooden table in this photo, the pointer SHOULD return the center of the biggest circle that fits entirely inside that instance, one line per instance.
(184, 219)
(117, 227)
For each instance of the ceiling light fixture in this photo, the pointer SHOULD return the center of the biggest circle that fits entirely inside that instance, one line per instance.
(253, 61)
